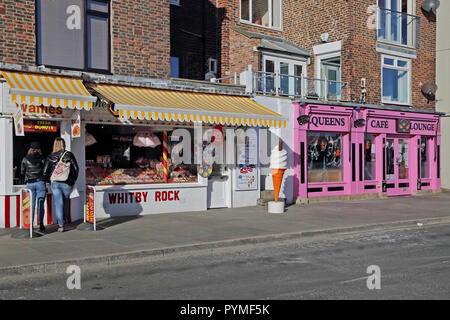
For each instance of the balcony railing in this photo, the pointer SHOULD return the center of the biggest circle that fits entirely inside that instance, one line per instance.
(268, 83)
(398, 28)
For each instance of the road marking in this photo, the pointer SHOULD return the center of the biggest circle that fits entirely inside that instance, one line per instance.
(354, 280)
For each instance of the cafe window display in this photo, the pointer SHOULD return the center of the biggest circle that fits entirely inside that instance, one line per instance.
(133, 155)
(424, 159)
(369, 157)
(324, 157)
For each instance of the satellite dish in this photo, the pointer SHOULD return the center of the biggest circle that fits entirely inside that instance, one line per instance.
(429, 91)
(430, 5)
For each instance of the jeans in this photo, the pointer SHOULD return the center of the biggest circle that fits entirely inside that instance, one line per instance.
(61, 195)
(38, 192)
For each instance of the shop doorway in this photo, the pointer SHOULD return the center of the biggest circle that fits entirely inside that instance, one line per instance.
(397, 166)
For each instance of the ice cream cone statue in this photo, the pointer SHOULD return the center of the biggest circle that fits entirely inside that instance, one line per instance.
(278, 165)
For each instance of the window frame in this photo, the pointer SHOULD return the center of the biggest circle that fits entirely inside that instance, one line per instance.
(87, 12)
(408, 68)
(269, 3)
(175, 2)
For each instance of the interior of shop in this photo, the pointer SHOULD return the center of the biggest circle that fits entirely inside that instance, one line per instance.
(117, 154)
(42, 131)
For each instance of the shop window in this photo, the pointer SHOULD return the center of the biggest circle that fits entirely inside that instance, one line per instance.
(324, 157)
(265, 13)
(42, 131)
(395, 80)
(424, 158)
(73, 34)
(132, 155)
(369, 157)
(390, 154)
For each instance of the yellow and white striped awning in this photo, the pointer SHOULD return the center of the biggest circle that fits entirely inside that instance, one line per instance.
(49, 90)
(168, 105)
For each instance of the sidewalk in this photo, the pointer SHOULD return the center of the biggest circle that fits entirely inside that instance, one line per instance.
(166, 233)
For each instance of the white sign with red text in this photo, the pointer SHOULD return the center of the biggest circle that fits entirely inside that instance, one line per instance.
(120, 202)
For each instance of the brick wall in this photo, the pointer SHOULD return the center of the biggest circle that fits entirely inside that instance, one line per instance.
(140, 43)
(344, 20)
(17, 38)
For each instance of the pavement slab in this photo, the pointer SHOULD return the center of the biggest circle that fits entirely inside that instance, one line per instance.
(147, 232)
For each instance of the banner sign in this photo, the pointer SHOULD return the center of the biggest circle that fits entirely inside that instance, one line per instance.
(18, 123)
(90, 207)
(25, 210)
(40, 126)
(90, 216)
(247, 178)
(76, 122)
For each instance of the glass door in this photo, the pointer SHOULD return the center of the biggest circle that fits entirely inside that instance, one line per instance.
(397, 166)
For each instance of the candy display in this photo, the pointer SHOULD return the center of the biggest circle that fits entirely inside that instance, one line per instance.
(120, 161)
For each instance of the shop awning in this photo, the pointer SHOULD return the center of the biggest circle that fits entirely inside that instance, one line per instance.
(168, 105)
(56, 91)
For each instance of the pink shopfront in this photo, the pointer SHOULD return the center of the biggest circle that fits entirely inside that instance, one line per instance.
(362, 149)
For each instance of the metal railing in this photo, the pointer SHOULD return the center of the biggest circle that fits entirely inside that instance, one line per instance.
(268, 83)
(398, 28)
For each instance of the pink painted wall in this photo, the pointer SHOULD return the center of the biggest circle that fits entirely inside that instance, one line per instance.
(383, 125)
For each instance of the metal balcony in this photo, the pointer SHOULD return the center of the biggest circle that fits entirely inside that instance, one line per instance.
(275, 84)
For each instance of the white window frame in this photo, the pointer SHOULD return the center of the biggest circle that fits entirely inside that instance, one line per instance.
(277, 59)
(270, 15)
(396, 67)
(411, 10)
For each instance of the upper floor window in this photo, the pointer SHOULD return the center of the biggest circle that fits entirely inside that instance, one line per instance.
(266, 13)
(396, 84)
(174, 67)
(175, 2)
(73, 34)
(396, 22)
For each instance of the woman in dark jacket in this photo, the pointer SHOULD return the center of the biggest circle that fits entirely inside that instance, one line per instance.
(61, 189)
(32, 168)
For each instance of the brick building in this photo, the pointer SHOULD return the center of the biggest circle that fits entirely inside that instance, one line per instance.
(344, 29)
(139, 31)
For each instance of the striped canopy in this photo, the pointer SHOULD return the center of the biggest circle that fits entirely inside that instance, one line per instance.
(169, 105)
(49, 90)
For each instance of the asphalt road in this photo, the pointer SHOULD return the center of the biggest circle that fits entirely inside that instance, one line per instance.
(414, 264)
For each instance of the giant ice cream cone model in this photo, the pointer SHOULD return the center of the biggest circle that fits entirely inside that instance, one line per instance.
(278, 165)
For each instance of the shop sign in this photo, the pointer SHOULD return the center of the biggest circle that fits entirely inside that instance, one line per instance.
(380, 125)
(40, 110)
(117, 198)
(423, 127)
(246, 178)
(18, 123)
(90, 215)
(403, 126)
(328, 123)
(40, 126)
(76, 123)
(26, 208)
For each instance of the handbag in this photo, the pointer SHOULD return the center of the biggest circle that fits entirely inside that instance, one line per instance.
(62, 171)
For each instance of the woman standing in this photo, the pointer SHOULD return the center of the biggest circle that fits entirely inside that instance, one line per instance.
(61, 169)
(32, 168)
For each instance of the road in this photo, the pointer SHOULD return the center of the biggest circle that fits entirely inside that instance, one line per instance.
(414, 264)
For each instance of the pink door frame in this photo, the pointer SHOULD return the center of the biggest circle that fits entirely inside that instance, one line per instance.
(379, 122)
